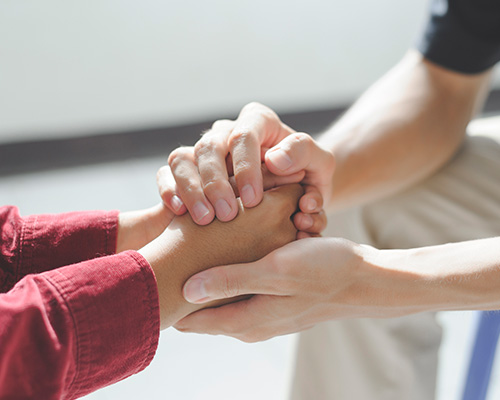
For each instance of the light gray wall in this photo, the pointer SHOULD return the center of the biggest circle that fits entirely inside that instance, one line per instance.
(72, 67)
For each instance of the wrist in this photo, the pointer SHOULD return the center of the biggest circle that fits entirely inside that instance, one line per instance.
(138, 228)
(396, 284)
(178, 253)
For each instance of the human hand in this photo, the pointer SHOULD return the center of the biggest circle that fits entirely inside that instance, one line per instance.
(185, 248)
(197, 177)
(294, 288)
(138, 228)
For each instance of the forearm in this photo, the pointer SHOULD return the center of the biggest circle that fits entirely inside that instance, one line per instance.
(457, 276)
(401, 130)
(72, 330)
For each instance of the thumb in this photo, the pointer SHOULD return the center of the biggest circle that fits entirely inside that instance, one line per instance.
(298, 151)
(228, 281)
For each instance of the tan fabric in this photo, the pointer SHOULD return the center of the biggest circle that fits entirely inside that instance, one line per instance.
(397, 358)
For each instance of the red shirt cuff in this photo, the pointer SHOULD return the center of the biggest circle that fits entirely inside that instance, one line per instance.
(113, 303)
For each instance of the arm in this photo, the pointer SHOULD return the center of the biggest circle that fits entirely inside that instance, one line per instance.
(347, 280)
(401, 130)
(38, 243)
(71, 330)
(404, 128)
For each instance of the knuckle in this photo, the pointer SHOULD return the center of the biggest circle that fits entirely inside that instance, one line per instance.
(253, 105)
(214, 186)
(205, 146)
(179, 154)
(222, 124)
(302, 139)
(240, 137)
(242, 166)
(263, 111)
(287, 206)
(189, 187)
(161, 173)
(227, 286)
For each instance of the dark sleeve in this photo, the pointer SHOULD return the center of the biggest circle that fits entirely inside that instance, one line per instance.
(38, 243)
(69, 331)
(462, 35)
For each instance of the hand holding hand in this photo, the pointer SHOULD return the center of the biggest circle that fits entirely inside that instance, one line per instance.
(197, 178)
(294, 288)
(185, 248)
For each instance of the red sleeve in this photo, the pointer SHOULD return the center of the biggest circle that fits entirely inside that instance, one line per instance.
(38, 243)
(69, 331)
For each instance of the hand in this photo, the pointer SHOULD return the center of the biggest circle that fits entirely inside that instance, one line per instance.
(197, 179)
(294, 287)
(138, 228)
(185, 248)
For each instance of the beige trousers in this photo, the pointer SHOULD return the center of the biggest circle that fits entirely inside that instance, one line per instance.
(377, 359)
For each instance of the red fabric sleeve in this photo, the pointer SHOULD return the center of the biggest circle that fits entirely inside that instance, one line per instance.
(69, 331)
(39, 243)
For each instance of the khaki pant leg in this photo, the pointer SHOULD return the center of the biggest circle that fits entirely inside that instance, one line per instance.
(397, 358)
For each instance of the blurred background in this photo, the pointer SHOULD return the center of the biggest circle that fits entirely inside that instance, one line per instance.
(94, 95)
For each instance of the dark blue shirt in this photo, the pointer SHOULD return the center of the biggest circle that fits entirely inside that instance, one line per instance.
(463, 35)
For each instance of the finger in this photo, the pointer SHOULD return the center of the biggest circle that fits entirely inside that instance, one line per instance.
(167, 188)
(306, 235)
(312, 201)
(229, 320)
(245, 152)
(311, 223)
(189, 186)
(271, 181)
(284, 195)
(210, 157)
(230, 281)
(257, 126)
(300, 151)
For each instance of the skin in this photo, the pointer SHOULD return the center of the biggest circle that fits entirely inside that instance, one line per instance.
(344, 280)
(137, 228)
(206, 179)
(185, 248)
(402, 130)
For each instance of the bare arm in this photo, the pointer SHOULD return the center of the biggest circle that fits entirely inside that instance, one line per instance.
(455, 276)
(316, 280)
(401, 130)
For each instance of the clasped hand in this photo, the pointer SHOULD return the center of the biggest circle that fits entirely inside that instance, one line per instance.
(293, 287)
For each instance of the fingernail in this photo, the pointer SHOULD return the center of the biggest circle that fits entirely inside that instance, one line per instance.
(200, 210)
(222, 208)
(247, 194)
(194, 291)
(280, 159)
(176, 203)
(312, 204)
(306, 221)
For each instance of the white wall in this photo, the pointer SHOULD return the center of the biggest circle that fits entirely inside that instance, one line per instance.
(72, 67)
